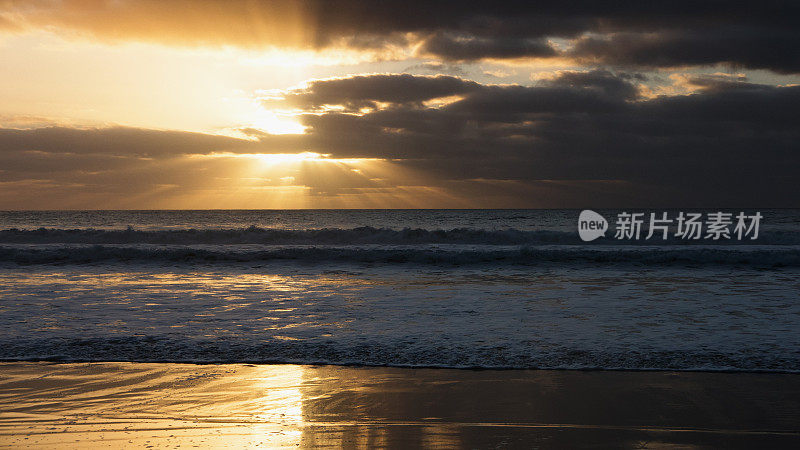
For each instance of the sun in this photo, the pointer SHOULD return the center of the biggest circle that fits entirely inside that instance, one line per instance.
(276, 123)
(271, 159)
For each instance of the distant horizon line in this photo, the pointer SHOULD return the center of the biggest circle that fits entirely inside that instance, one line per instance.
(407, 209)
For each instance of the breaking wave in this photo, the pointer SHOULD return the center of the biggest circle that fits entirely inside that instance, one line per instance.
(420, 254)
(460, 246)
(348, 236)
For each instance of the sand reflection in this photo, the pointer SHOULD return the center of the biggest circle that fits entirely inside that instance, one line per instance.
(118, 405)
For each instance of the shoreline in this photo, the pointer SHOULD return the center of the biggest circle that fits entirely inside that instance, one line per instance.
(123, 404)
(4, 361)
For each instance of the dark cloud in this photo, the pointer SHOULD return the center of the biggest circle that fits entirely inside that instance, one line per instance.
(745, 46)
(627, 33)
(619, 86)
(364, 91)
(115, 141)
(732, 142)
(465, 47)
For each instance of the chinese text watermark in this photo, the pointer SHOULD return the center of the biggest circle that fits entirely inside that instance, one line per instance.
(687, 226)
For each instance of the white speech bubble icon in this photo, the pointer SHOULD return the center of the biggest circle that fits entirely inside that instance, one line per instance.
(591, 225)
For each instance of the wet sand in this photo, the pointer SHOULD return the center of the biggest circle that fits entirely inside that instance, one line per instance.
(117, 405)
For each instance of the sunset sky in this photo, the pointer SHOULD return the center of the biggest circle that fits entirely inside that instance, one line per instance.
(247, 104)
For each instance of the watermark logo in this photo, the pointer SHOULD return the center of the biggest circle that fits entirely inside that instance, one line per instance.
(591, 225)
(685, 226)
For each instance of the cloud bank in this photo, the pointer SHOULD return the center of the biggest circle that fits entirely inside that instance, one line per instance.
(576, 139)
(623, 34)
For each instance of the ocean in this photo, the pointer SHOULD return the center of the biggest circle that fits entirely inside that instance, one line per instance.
(417, 288)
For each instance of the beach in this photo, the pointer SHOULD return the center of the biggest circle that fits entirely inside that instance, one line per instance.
(401, 329)
(151, 405)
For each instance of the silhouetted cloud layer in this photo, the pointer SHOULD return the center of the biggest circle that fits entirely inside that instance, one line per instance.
(760, 35)
(121, 141)
(577, 139)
